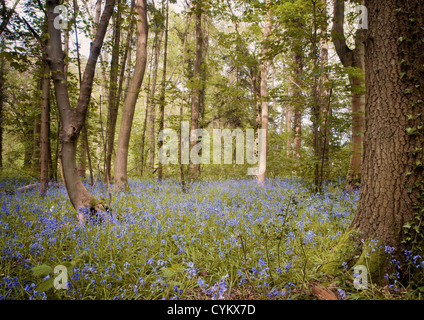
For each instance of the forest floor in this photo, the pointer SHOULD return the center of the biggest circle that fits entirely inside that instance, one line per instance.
(226, 239)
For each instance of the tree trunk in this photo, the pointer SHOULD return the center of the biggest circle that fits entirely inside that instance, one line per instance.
(121, 179)
(113, 91)
(264, 98)
(35, 159)
(288, 120)
(87, 151)
(162, 94)
(182, 177)
(143, 136)
(194, 168)
(391, 192)
(152, 102)
(352, 58)
(82, 157)
(394, 91)
(297, 141)
(325, 113)
(316, 105)
(72, 119)
(45, 130)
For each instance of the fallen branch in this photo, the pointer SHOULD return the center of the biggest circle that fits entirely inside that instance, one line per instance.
(27, 188)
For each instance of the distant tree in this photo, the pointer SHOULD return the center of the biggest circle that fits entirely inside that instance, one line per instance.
(198, 12)
(163, 86)
(352, 58)
(264, 97)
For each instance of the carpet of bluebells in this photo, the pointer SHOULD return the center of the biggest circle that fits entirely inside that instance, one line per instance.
(220, 240)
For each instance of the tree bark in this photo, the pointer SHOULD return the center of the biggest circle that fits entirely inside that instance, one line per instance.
(392, 187)
(72, 119)
(45, 129)
(121, 179)
(194, 169)
(325, 113)
(182, 177)
(264, 98)
(152, 102)
(288, 120)
(297, 141)
(113, 92)
(162, 94)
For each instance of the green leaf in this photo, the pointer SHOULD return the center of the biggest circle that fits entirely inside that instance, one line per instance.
(411, 131)
(45, 285)
(168, 273)
(42, 270)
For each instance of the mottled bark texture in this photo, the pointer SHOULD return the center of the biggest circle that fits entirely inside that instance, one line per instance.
(385, 202)
(391, 180)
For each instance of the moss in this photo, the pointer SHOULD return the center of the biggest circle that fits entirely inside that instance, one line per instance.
(374, 258)
(93, 202)
(371, 254)
(345, 251)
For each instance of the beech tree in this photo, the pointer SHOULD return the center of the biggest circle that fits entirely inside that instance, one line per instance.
(121, 161)
(72, 118)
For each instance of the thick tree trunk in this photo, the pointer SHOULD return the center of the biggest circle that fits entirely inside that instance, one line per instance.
(194, 168)
(394, 95)
(121, 179)
(87, 150)
(45, 130)
(72, 119)
(82, 168)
